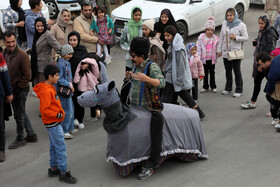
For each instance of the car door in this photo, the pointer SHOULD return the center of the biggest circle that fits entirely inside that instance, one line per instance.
(200, 11)
(219, 8)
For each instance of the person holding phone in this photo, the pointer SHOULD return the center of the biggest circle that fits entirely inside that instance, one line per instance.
(264, 43)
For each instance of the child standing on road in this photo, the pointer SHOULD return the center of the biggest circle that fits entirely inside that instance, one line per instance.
(52, 116)
(104, 27)
(196, 68)
(207, 50)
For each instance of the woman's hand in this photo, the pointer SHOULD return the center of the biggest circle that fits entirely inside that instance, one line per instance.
(219, 54)
(232, 36)
(158, 34)
(84, 66)
(20, 24)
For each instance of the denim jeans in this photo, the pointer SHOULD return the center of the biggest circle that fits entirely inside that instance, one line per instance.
(235, 66)
(20, 115)
(68, 122)
(58, 154)
(2, 127)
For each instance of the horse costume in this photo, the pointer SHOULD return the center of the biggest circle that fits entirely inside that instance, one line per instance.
(129, 140)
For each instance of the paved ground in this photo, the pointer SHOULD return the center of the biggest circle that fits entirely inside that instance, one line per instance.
(242, 147)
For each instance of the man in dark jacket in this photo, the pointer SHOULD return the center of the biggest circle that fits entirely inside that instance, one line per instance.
(5, 95)
(20, 73)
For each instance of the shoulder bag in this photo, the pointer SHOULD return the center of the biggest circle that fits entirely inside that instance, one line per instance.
(234, 55)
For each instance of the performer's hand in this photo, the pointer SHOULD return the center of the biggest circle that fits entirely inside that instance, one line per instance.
(128, 74)
(140, 77)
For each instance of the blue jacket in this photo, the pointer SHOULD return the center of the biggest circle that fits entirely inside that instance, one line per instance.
(110, 25)
(65, 72)
(5, 85)
(273, 75)
(30, 18)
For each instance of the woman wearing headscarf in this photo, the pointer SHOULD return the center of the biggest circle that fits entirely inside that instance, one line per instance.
(166, 18)
(264, 43)
(14, 20)
(43, 43)
(232, 36)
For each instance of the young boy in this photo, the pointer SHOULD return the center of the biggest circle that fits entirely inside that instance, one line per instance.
(52, 115)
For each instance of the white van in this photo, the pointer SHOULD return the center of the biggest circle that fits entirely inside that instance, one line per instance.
(25, 6)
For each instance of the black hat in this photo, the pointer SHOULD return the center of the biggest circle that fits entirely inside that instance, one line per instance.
(140, 45)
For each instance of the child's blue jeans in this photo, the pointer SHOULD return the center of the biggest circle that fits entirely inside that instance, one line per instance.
(68, 122)
(58, 155)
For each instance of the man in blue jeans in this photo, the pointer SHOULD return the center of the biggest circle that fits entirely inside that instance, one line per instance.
(5, 95)
(20, 73)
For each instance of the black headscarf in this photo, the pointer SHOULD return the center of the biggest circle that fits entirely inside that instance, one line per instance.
(21, 17)
(159, 26)
(80, 52)
(37, 35)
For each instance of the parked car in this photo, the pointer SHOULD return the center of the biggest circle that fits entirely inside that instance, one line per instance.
(190, 15)
(259, 2)
(25, 6)
(56, 5)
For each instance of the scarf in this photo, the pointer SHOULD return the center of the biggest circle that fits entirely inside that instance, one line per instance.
(60, 21)
(159, 26)
(235, 22)
(132, 25)
(21, 17)
(189, 48)
(37, 35)
(80, 52)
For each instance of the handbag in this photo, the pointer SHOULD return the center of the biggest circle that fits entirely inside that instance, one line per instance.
(64, 91)
(234, 55)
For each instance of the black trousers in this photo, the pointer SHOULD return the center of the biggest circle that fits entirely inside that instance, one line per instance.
(170, 96)
(259, 76)
(274, 106)
(125, 89)
(2, 127)
(209, 68)
(235, 66)
(156, 139)
(194, 89)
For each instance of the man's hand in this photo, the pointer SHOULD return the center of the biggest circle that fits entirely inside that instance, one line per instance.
(72, 89)
(9, 98)
(140, 77)
(259, 68)
(128, 75)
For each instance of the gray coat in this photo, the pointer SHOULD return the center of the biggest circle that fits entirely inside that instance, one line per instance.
(44, 47)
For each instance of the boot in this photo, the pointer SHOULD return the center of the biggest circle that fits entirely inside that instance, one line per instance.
(201, 114)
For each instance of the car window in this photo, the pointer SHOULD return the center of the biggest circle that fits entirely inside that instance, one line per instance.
(169, 1)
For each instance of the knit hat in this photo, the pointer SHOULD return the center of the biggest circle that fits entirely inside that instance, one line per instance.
(66, 49)
(150, 23)
(275, 52)
(140, 45)
(210, 23)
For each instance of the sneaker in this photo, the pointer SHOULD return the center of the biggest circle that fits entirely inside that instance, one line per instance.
(99, 54)
(108, 59)
(68, 178)
(33, 93)
(200, 112)
(277, 126)
(237, 94)
(53, 173)
(274, 122)
(2, 156)
(203, 90)
(145, 173)
(214, 90)
(75, 131)
(67, 135)
(31, 139)
(76, 123)
(93, 119)
(248, 105)
(81, 126)
(17, 144)
(224, 92)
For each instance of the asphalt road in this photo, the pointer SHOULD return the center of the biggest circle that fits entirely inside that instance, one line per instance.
(242, 147)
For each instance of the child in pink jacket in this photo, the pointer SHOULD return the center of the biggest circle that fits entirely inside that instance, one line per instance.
(207, 50)
(86, 78)
(196, 68)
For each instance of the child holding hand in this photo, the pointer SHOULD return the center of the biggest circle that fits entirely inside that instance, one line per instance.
(196, 67)
(104, 27)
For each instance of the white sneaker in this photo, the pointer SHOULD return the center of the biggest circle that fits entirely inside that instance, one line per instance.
(203, 90)
(214, 90)
(248, 105)
(277, 126)
(75, 131)
(274, 122)
(237, 94)
(76, 123)
(67, 135)
(81, 126)
(224, 92)
(33, 93)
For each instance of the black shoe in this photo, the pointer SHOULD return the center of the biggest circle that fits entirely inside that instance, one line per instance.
(68, 178)
(201, 114)
(2, 156)
(31, 139)
(53, 173)
(145, 173)
(17, 144)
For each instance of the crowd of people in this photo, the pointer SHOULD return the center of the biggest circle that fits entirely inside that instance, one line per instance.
(67, 60)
